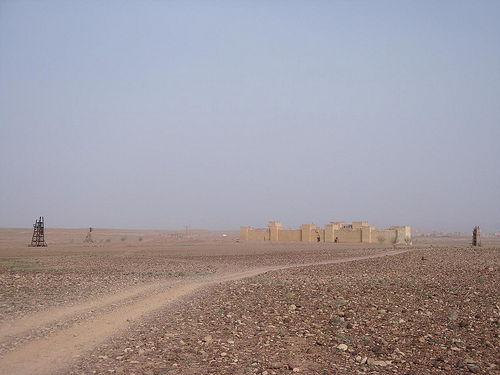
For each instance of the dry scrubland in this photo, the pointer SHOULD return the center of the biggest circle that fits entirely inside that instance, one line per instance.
(431, 308)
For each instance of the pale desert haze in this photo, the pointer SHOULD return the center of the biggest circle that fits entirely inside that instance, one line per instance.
(216, 115)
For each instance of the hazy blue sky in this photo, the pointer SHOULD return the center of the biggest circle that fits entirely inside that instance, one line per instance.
(217, 114)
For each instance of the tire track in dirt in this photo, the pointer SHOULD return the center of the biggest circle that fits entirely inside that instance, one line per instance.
(54, 352)
(38, 320)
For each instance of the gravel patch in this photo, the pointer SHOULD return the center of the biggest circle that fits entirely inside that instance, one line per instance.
(424, 312)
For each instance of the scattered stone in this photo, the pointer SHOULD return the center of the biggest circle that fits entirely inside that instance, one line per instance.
(473, 368)
(342, 347)
(396, 300)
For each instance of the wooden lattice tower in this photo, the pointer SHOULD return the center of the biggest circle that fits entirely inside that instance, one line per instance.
(38, 238)
(476, 237)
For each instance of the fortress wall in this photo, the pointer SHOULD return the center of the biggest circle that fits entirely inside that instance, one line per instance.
(244, 233)
(329, 233)
(408, 231)
(360, 224)
(366, 234)
(310, 232)
(403, 233)
(290, 235)
(274, 230)
(317, 232)
(387, 236)
(338, 224)
(348, 235)
(321, 235)
(258, 235)
(307, 232)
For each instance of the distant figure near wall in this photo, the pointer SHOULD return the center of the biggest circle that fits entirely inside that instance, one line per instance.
(476, 237)
(335, 232)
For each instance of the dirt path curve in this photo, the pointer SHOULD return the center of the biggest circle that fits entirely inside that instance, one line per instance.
(53, 352)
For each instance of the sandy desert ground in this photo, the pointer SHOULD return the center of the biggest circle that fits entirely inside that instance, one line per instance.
(161, 302)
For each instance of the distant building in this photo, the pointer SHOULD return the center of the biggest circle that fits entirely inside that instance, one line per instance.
(335, 231)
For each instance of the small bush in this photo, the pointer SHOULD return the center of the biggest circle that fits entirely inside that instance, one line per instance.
(339, 302)
(366, 341)
(341, 337)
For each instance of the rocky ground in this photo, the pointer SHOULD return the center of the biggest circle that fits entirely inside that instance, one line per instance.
(30, 284)
(424, 312)
(43, 278)
(433, 309)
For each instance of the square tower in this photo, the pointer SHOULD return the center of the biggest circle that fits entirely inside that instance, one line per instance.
(274, 229)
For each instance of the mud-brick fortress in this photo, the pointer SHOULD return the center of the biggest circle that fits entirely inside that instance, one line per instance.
(336, 231)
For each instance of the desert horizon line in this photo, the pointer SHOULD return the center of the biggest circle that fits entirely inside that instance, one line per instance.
(226, 229)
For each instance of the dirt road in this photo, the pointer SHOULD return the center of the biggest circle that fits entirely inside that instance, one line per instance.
(47, 342)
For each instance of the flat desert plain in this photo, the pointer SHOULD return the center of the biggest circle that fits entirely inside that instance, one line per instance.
(163, 302)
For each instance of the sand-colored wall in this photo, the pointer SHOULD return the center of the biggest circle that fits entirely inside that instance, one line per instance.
(403, 234)
(338, 224)
(310, 232)
(290, 235)
(321, 233)
(348, 235)
(307, 232)
(329, 232)
(383, 236)
(366, 234)
(259, 235)
(360, 224)
(274, 230)
(244, 231)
